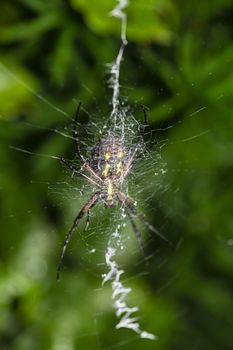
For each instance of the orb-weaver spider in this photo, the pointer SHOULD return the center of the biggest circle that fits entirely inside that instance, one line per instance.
(109, 166)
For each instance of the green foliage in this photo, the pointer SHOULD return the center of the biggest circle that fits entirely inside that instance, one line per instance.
(10, 87)
(149, 16)
(178, 63)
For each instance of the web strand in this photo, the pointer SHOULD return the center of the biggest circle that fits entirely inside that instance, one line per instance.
(124, 313)
(116, 66)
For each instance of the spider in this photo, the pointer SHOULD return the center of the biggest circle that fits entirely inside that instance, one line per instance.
(107, 170)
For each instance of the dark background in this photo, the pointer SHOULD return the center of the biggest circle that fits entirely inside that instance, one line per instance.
(179, 64)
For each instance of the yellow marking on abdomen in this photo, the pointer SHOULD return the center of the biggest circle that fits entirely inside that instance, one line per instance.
(110, 190)
(107, 156)
(120, 154)
(119, 167)
(106, 170)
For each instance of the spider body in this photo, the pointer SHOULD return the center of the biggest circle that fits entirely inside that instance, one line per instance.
(110, 164)
(108, 157)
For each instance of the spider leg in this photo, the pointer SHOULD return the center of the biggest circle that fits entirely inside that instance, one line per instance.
(75, 134)
(88, 220)
(92, 201)
(92, 173)
(145, 124)
(129, 164)
(136, 230)
(73, 169)
(128, 202)
(78, 149)
(134, 154)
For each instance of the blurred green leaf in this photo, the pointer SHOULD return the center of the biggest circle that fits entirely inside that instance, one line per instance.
(178, 63)
(13, 95)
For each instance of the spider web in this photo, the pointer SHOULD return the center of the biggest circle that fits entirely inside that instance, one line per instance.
(109, 247)
(124, 312)
(114, 247)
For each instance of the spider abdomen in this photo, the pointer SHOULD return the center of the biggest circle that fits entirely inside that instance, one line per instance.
(108, 158)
